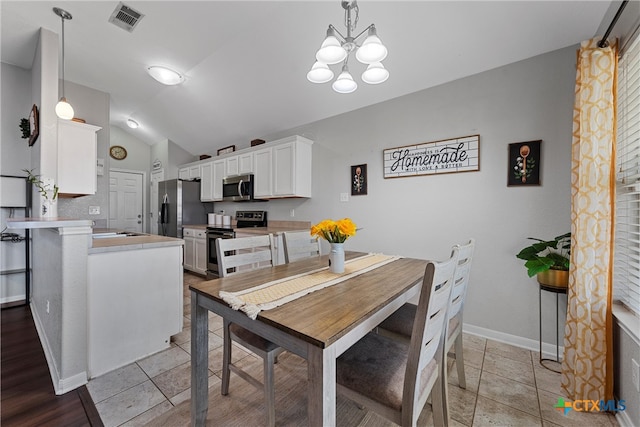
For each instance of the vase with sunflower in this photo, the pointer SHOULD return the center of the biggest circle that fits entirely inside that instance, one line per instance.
(336, 233)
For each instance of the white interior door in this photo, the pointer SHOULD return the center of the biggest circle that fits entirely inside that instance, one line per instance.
(125, 201)
(156, 177)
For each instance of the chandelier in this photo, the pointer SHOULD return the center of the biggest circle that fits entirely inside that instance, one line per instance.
(334, 50)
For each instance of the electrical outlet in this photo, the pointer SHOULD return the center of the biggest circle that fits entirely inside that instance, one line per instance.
(47, 307)
(292, 213)
(344, 197)
(635, 374)
(94, 210)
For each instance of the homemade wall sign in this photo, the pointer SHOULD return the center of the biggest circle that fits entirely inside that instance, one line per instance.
(359, 180)
(524, 163)
(447, 156)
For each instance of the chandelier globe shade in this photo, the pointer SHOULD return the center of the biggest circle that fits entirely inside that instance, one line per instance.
(331, 51)
(165, 75)
(64, 110)
(320, 73)
(372, 50)
(345, 83)
(375, 74)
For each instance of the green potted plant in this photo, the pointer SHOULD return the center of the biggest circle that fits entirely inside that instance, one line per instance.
(548, 260)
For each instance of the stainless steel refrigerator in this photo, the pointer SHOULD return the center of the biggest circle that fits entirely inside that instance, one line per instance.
(178, 205)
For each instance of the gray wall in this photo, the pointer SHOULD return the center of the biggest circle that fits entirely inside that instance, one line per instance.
(16, 105)
(424, 216)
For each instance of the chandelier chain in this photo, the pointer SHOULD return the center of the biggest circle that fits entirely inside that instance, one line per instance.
(347, 18)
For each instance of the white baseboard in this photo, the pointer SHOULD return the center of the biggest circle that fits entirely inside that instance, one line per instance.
(60, 385)
(548, 350)
(12, 299)
(624, 420)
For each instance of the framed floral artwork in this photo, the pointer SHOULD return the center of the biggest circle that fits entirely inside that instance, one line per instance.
(359, 180)
(34, 125)
(524, 163)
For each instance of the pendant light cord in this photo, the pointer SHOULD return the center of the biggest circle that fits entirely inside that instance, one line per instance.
(62, 17)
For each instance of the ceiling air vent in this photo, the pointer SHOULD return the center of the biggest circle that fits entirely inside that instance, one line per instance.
(125, 17)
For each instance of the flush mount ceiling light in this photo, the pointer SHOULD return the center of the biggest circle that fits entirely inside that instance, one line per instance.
(132, 124)
(336, 48)
(64, 110)
(165, 75)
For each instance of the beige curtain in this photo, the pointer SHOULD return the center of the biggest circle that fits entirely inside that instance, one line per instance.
(587, 367)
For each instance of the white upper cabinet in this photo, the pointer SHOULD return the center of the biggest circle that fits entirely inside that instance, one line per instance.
(218, 176)
(211, 180)
(231, 166)
(291, 169)
(262, 166)
(245, 163)
(77, 158)
(189, 173)
(206, 182)
(281, 169)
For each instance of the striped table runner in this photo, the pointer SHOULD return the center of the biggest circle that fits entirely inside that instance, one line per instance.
(274, 294)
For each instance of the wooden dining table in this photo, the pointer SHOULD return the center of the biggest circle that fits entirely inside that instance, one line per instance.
(319, 326)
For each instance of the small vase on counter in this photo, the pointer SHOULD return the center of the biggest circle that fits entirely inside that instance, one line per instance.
(49, 199)
(336, 258)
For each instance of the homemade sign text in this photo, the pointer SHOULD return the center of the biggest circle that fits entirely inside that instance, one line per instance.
(448, 156)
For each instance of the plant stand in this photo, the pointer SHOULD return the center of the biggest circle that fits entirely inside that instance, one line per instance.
(557, 291)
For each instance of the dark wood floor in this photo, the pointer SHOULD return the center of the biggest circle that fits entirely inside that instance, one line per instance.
(27, 397)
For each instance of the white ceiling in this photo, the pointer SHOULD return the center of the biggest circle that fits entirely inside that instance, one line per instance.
(246, 62)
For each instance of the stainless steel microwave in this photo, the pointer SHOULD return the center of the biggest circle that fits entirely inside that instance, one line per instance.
(237, 188)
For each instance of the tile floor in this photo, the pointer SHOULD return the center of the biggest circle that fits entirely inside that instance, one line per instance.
(505, 385)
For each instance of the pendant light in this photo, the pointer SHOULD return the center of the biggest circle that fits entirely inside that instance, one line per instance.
(64, 110)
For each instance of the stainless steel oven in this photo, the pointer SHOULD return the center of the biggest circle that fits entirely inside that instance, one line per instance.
(244, 219)
(214, 233)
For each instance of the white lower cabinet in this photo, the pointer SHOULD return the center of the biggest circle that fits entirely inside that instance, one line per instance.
(195, 250)
(134, 305)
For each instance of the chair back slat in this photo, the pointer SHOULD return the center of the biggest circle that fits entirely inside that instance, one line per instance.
(463, 269)
(299, 245)
(254, 251)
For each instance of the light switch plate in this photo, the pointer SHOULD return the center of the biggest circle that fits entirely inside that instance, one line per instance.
(344, 197)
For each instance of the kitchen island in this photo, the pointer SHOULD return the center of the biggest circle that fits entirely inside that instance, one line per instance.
(91, 298)
(134, 298)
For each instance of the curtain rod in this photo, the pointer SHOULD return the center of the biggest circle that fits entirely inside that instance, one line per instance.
(604, 42)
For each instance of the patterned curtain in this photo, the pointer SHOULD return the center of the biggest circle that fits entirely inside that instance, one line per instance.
(587, 367)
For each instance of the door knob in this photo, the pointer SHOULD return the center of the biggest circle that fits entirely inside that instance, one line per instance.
(139, 215)
(139, 222)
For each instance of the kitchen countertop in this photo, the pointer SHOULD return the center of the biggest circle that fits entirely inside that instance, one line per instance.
(129, 243)
(31, 223)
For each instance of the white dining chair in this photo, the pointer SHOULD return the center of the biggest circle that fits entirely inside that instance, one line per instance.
(395, 378)
(233, 254)
(399, 324)
(299, 245)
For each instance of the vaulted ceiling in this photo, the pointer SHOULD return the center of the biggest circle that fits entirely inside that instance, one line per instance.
(245, 62)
